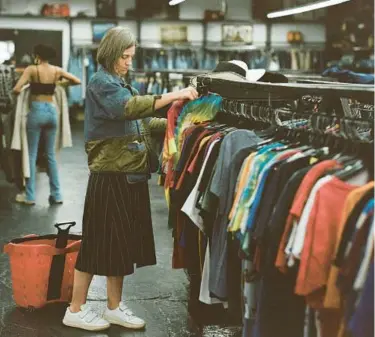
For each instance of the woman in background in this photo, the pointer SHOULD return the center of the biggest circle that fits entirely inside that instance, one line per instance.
(42, 119)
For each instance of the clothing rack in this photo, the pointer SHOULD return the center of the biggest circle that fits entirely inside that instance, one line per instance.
(262, 110)
(251, 128)
(236, 87)
(352, 132)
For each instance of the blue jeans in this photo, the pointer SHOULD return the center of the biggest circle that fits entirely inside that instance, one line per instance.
(42, 119)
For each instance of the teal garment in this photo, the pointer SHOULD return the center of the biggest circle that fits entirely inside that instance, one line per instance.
(91, 67)
(260, 161)
(245, 194)
(260, 186)
(75, 67)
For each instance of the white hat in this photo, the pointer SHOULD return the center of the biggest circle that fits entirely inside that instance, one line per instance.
(238, 71)
(252, 75)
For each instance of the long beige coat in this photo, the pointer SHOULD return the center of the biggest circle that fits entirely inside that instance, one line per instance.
(19, 138)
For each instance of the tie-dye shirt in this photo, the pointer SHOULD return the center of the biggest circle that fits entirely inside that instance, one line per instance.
(181, 116)
(201, 110)
(169, 147)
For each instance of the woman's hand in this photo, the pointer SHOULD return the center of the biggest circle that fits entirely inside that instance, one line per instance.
(188, 93)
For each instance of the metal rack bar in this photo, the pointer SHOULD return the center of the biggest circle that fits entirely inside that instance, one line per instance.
(241, 88)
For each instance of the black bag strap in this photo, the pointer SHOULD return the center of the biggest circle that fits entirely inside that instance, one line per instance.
(58, 262)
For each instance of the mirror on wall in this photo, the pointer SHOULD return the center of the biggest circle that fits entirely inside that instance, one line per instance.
(22, 42)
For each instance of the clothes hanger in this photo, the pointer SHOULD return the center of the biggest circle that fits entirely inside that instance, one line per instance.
(358, 147)
(350, 170)
(350, 155)
(288, 136)
(227, 116)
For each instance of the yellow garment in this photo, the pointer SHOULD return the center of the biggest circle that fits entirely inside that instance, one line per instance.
(166, 192)
(203, 142)
(235, 225)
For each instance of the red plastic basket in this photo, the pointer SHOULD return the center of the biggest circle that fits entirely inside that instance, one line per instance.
(31, 261)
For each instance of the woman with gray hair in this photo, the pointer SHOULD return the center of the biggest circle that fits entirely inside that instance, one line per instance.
(117, 227)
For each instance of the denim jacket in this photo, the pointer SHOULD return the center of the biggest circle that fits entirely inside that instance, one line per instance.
(116, 139)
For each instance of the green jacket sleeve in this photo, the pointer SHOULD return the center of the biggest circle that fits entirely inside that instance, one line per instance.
(158, 125)
(116, 102)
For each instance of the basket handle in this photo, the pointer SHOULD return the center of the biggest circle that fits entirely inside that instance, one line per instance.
(70, 223)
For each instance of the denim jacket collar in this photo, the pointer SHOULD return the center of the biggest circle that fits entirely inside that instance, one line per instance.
(115, 78)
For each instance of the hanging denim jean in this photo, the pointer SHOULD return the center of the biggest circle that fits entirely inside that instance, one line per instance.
(170, 60)
(90, 68)
(179, 63)
(154, 62)
(162, 61)
(76, 68)
(42, 119)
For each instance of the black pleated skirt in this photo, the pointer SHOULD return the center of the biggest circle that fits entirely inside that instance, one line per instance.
(117, 233)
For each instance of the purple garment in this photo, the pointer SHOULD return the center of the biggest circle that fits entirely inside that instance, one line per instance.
(362, 322)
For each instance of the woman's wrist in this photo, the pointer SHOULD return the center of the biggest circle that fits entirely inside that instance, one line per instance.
(172, 96)
(189, 93)
(165, 99)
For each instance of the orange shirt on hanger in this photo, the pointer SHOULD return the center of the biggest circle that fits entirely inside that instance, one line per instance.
(332, 297)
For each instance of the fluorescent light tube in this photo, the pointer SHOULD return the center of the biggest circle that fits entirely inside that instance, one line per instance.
(175, 2)
(305, 8)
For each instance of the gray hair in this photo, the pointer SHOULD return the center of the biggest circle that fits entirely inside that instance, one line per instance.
(113, 45)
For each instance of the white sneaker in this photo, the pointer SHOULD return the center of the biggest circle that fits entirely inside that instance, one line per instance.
(124, 316)
(85, 319)
(21, 198)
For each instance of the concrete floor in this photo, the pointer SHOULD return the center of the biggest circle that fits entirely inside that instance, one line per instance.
(158, 294)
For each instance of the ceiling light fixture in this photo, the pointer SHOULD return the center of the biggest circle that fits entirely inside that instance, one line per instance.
(305, 8)
(175, 2)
